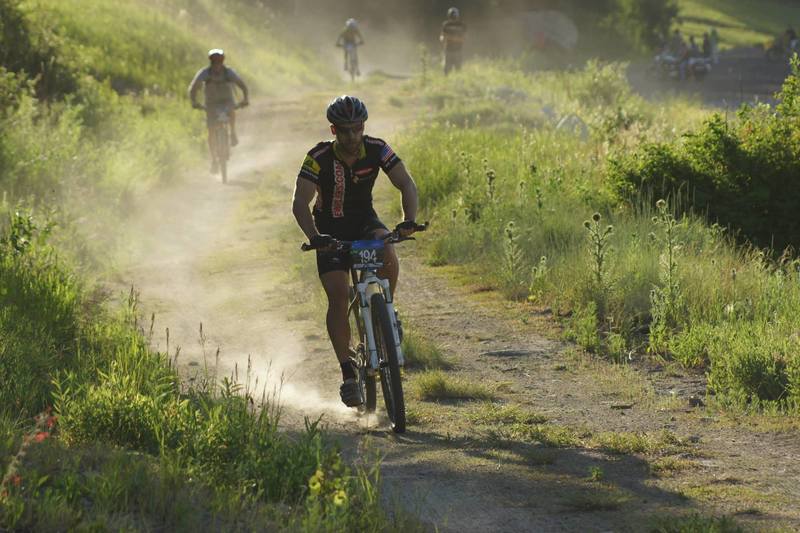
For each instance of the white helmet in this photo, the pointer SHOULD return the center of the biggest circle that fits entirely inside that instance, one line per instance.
(351, 24)
(453, 13)
(216, 52)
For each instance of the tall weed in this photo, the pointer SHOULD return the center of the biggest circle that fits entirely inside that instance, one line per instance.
(681, 286)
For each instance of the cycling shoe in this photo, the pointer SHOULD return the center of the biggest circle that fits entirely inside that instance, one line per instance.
(351, 393)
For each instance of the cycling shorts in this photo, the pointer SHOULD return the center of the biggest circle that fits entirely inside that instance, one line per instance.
(212, 111)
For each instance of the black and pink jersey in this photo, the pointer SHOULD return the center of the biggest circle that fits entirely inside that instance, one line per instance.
(345, 192)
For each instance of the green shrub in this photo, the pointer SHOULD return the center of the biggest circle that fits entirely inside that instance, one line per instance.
(583, 328)
(740, 172)
(39, 316)
(751, 361)
(645, 24)
(30, 51)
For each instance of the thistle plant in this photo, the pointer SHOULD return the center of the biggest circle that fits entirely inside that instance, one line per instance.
(599, 251)
(490, 178)
(666, 299)
(538, 278)
(513, 261)
(466, 164)
(539, 198)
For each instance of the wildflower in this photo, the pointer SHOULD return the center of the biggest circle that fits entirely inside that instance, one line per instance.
(340, 498)
(596, 217)
(16, 480)
(41, 436)
(314, 486)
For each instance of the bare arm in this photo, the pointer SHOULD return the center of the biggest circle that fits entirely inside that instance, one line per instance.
(304, 192)
(403, 181)
(194, 86)
(245, 92)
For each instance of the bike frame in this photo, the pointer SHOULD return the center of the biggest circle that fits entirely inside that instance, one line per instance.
(365, 283)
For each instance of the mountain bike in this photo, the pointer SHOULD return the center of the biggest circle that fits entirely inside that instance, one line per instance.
(351, 60)
(371, 311)
(219, 130)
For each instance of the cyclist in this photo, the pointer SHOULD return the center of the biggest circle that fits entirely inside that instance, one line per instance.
(452, 39)
(340, 173)
(217, 81)
(349, 39)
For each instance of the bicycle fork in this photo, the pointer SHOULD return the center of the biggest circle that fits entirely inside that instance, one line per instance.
(364, 304)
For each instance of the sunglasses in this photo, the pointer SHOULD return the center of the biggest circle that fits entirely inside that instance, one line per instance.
(351, 129)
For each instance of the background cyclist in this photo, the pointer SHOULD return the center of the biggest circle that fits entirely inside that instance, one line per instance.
(452, 39)
(341, 174)
(218, 80)
(349, 39)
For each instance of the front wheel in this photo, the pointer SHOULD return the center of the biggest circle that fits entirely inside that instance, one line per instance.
(367, 381)
(223, 149)
(391, 383)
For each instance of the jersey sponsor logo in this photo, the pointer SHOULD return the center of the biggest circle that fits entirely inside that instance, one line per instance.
(310, 164)
(386, 154)
(364, 173)
(337, 208)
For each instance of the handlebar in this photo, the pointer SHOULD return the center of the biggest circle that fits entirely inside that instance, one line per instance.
(390, 238)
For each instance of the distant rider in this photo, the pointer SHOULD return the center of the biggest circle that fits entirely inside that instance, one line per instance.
(350, 39)
(340, 174)
(452, 39)
(218, 81)
(708, 50)
(790, 39)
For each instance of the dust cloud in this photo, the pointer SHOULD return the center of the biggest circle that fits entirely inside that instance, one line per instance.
(203, 267)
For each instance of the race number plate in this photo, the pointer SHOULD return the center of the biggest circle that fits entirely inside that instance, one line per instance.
(367, 254)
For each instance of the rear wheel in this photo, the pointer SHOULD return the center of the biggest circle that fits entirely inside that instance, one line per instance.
(391, 383)
(352, 64)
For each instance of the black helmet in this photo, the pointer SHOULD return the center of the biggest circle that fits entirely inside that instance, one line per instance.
(346, 109)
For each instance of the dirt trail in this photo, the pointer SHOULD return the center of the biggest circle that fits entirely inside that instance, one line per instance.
(743, 75)
(227, 256)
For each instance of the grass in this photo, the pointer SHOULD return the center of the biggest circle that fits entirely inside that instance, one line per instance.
(120, 124)
(509, 193)
(99, 430)
(159, 48)
(96, 429)
(671, 465)
(740, 23)
(695, 523)
(435, 385)
(605, 498)
(421, 353)
(626, 443)
(493, 413)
